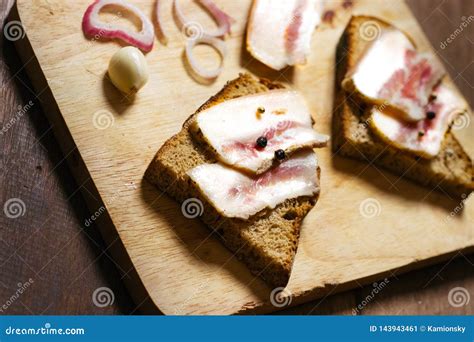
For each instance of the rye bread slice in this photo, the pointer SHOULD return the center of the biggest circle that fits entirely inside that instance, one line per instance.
(451, 171)
(267, 242)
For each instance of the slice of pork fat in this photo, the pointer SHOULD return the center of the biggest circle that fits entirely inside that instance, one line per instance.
(279, 32)
(234, 194)
(424, 137)
(392, 73)
(233, 128)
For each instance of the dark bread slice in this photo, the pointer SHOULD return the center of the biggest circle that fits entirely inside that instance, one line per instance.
(450, 171)
(267, 242)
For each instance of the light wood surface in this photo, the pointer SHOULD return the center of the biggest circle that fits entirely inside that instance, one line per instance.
(181, 269)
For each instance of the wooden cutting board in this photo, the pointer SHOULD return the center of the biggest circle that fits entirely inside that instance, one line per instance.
(366, 225)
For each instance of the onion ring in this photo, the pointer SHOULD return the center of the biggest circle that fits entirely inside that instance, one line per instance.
(159, 22)
(217, 44)
(94, 27)
(221, 18)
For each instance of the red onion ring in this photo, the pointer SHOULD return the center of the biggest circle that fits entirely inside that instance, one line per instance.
(222, 18)
(159, 22)
(196, 31)
(94, 27)
(198, 70)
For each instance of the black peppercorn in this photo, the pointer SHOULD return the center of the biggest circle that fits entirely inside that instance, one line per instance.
(421, 133)
(430, 115)
(262, 142)
(280, 154)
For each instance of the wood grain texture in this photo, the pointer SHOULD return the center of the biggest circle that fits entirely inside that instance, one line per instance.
(342, 303)
(49, 244)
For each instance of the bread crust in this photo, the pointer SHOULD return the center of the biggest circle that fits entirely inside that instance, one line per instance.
(267, 242)
(451, 171)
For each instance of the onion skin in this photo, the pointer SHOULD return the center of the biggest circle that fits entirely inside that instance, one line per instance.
(163, 37)
(197, 35)
(222, 19)
(198, 72)
(219, 15)
(93, 27)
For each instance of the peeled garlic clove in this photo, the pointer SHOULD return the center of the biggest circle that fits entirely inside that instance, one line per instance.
(128, 70)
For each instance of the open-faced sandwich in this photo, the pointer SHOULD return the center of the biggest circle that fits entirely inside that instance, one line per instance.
(394, 107)
(247, 155)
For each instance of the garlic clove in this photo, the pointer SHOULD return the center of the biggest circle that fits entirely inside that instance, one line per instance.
(128, 70)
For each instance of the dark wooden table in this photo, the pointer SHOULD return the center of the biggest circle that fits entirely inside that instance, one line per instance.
(67, 263)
